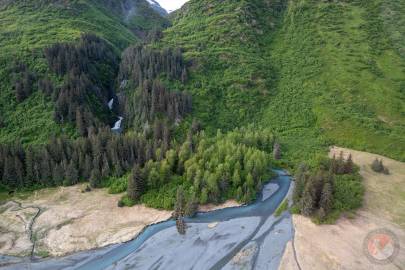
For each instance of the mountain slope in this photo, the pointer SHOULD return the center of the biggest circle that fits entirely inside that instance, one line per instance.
(224, 40)
(339, 71)
(156, 6)
(27, 27)
(317, 72)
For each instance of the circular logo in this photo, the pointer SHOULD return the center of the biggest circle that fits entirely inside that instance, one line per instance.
(381, 246)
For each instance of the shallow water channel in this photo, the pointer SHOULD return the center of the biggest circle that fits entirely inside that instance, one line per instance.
(247, 237)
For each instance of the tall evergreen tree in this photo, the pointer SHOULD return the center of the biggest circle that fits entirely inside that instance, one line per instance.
(180, 204)
(299, 183)
(181, 225)
(136, 184)
(307, 201)
(277, 151)
(95, 178)
(326, 198)
(348, 167)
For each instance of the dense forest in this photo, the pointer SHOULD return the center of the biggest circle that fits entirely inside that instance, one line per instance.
(311, 79)
(208, 169)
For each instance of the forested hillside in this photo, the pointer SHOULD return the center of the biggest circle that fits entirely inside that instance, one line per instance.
(27, 28)
(317, 72)
(282, 79)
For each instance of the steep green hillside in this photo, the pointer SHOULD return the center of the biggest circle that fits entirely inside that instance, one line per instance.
(27, 27)
(317, 72)
(225, 40)
(340, 70)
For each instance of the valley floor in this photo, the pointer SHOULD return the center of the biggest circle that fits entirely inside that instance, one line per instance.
(71, 221)
(340, 246)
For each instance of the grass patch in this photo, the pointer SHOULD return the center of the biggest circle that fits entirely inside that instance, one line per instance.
(281, 208)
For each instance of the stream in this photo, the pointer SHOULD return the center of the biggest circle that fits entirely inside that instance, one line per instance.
(247, 237)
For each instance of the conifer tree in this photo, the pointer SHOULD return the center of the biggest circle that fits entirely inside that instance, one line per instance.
(135, 184)
(71, 175)
(326, 198)
(181, 225)
(299, 183)
(95, 178)
(277, 151)
(179, 207)
(307, 201)
(191, 206)
(340, 164)
(58, 175)
(348, 167)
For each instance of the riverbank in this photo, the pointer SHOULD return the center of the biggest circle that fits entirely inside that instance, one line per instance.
(231, 238)
(72, 221)
(340, 246)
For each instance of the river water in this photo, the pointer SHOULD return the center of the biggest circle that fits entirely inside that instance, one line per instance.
(247, 237)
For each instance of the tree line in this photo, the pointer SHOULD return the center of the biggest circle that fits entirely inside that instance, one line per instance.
(334, 187)
(141, 63)
(65, 161)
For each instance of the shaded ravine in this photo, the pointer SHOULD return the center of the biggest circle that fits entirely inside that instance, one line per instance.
(31, 224)
(116, 255)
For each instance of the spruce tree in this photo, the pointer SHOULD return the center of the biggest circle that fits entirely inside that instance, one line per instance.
(191, 207)
(181, 225)
(57, 174)
(95, 178)
(179, 207)
(307, 201)
(326, 198)
(340, 164)
(299, 183)
(277, 151)
(80, 125)
(71, 175)
(348, 167)
(136, 185)
(9, 176)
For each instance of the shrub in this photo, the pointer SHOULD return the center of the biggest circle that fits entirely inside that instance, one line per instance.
(379, 167)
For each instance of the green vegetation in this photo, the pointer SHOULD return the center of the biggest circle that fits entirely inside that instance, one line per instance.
(282, 207)
(224, 40)
(307, 74)
(328, 190)
(42, 253)
(334, 84)
(27, 27)
(317, 72)
(208, 169)
(116, 185)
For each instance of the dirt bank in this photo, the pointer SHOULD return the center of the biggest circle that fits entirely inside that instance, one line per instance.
(72, 221)
(340, 246)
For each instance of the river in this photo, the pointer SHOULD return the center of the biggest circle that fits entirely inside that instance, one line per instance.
(247, 237)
